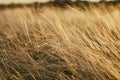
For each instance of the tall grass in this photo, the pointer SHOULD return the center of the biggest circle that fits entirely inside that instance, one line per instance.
(51, 43)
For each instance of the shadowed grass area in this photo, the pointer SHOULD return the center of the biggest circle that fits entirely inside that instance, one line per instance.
(53, 43)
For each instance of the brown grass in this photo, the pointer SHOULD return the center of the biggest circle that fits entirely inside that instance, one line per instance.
(60, 44)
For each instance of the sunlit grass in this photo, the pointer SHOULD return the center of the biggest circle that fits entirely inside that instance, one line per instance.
(53, 43)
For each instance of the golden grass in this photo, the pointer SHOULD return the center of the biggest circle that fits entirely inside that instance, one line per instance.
(60, 44)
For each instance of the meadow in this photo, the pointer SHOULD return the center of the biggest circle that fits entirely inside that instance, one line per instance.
(54, 43)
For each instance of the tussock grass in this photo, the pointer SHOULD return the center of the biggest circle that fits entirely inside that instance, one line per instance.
(60, 44)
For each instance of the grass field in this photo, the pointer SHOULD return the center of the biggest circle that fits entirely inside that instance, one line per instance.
(53, 43)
